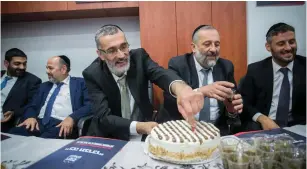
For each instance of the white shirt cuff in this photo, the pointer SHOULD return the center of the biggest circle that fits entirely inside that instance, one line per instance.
(169, 87)
(133, 128)
(255, 117)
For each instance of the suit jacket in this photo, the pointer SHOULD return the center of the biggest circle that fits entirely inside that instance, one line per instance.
(184, 66)
(21, 93)
(257, 89)
(105, 94)
(78, 95)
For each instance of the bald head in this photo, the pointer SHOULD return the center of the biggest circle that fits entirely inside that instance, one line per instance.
(56, 70)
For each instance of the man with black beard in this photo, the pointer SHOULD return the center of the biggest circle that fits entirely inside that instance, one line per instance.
(205, 71)
(17, 87)
(274, 89)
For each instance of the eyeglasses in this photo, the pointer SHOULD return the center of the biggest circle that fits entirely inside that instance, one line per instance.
(113, 50)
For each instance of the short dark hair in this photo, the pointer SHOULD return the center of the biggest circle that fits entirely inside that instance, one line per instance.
(13, 53)
(276, 29)
(64, 60)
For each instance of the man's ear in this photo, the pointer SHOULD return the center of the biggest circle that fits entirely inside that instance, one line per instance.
(268, 47)
(193, 47)
(6, 63)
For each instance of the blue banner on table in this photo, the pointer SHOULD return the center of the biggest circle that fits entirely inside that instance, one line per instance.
(87, 152)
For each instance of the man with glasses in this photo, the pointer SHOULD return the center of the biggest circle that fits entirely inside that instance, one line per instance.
(204, 70)
(17, 88)
(118, 87)
(58, 104)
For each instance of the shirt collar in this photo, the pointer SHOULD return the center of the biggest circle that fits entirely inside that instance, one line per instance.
(276, 67)
(13, 77)
(66, 80)
(198, 66)
(116, 78)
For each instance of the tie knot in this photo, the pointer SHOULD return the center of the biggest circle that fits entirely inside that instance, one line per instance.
(284, 71)
(8, 78)
(205, 71)
(59, 84)
(122, 81)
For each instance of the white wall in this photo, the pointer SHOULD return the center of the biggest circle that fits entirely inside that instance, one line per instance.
(260, 19)
(73, 38)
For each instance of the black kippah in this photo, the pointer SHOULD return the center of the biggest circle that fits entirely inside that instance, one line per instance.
(112, 25)
(66, 60)
(275, 26)
(196, 29)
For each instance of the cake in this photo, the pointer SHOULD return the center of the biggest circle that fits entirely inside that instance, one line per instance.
(175, 141)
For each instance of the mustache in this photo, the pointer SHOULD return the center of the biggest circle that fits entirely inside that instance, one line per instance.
(121, 60)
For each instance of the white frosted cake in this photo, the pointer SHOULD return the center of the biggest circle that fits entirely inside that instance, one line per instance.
(174, 141)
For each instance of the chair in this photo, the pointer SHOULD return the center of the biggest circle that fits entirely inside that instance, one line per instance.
(84, 122)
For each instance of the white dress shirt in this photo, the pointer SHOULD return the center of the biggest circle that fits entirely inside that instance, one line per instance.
(278, 78)
(214, 107)
(62, 107)
(6, 90)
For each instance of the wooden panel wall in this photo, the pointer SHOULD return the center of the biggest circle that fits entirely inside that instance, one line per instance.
(158, 34)
(189, 15)
(229, 18)
(166, 29)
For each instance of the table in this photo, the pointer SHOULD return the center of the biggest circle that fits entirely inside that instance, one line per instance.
(20, 152)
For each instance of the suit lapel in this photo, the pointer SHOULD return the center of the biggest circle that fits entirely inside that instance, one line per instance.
(73, 90)
(193, 78)
(267, 77)
(296, 80)
(218, 75)
(132, 82)
(14, 89)
(110, 87)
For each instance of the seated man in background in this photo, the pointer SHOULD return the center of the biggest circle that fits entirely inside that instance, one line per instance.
(58, 104)
(274, 89)
(17, 87)
(204, 70)
(118, 87)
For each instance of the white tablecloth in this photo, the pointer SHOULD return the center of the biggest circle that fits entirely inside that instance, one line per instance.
(27, 150)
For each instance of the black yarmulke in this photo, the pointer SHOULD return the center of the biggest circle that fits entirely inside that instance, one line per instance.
(275, 26)
(196, 29)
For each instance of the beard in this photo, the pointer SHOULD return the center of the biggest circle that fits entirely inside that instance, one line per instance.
(204, 61)
(277, 55)
(118, 71)
(16, 72)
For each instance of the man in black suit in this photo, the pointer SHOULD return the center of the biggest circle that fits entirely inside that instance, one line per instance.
(17, 87)
(274, 89)
(117, 82)
(204, 70)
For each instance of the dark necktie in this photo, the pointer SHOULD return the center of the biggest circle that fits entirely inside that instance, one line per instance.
(284, 100)
(205, 111)
(4, 82)
(50, 103)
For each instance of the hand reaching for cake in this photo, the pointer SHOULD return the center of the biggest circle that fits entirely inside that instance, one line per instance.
(145, 127)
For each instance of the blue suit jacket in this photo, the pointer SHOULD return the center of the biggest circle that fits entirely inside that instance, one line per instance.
(78, 94)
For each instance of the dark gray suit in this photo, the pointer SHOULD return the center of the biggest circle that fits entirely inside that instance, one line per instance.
(184, 66)
(105, 94)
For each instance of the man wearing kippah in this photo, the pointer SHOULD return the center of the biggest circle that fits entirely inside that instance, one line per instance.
(205, 71)
(274, 89)
(58, 104)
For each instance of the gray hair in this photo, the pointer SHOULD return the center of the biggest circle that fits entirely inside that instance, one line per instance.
(208, 27)
(105, 30)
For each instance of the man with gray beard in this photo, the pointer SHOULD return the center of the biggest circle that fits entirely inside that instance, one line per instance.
(205, 71)
(117, 82)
